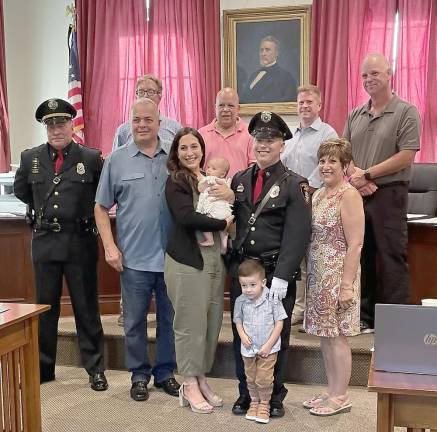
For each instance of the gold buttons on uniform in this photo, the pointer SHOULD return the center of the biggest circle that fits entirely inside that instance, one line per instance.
(56, 193)
(252, 242)
(252, 229)
(55, 219)
(55, 206)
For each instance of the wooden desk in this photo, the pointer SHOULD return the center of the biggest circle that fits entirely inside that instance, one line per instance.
(404, 400)
(20, 403)
(17, 279)
(422, 258)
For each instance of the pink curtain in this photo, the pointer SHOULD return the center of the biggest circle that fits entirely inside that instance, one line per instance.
(342, 33)
(5, 151)
(329, 58)
(416, 73)
(371, 29)
(111, 42)
(180, 45)
(184, 51)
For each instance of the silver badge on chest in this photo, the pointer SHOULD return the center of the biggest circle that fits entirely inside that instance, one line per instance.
(275, 191)
(240, 187)
(80, 168)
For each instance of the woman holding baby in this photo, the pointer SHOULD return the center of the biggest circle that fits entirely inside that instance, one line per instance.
(194, 270)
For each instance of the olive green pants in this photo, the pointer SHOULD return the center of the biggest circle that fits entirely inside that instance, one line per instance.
(197, 298)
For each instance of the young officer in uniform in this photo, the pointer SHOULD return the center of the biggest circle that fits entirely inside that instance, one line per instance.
(273, 221)
(58, 182)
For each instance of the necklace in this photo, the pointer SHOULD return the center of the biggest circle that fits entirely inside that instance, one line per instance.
(329, 193)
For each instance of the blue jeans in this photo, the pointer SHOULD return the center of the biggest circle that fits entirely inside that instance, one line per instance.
(137, 289)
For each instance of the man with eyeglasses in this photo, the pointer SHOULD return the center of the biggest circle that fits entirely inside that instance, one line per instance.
(148, 86)
(227, 136)
(58, 182)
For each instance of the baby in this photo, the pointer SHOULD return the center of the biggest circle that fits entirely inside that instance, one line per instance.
(219, 209)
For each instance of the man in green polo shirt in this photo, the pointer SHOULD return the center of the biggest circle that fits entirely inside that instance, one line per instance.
(384, 134)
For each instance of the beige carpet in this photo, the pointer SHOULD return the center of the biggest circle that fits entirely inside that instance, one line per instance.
(69, 405)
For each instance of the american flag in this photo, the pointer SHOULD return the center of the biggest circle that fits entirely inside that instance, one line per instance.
(74, 86)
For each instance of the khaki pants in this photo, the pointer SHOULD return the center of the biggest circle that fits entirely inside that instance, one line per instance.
(259, 376)
(197, 298)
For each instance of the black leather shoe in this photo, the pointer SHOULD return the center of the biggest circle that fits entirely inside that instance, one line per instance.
(139, 391)
(170, 386)
(98, 381)
(276, 408)
(241, 405)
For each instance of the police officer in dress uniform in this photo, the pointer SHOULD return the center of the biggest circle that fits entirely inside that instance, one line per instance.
(278, 236)
(58, 182)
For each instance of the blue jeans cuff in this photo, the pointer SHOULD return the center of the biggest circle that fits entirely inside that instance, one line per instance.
(139, 377)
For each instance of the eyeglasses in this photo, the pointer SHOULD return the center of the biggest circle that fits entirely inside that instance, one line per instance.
(148, 92)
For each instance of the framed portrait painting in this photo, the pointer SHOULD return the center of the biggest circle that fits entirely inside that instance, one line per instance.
(267, 56)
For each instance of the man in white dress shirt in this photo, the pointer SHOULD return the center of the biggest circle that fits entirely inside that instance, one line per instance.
(300, 155)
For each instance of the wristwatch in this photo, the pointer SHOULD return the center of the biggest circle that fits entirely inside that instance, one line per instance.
(367, 174)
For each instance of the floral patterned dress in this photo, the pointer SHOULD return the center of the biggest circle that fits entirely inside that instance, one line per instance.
(326, 255)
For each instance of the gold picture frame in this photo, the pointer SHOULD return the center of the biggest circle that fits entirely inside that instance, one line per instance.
(262, 79)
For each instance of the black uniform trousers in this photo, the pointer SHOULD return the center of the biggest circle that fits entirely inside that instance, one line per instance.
(279, 390)
(384, 266)
(82, 286)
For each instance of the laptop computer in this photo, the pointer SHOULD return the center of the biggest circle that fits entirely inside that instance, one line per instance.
(406, 339)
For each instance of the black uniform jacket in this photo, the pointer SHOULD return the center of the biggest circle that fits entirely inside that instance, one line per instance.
(283, 225)
(71, 203)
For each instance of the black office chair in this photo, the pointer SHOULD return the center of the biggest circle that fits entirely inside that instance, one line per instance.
(422, 191)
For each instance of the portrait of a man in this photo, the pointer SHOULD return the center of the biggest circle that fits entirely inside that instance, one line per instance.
(270, 82)
(266, 56)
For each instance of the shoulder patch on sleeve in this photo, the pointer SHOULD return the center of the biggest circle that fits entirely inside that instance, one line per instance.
(305, 189)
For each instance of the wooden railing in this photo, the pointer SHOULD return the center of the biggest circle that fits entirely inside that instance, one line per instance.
(20, 403)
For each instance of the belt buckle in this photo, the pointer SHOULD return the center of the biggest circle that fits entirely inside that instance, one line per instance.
(56, 180)
(56, 227)
(251, 221)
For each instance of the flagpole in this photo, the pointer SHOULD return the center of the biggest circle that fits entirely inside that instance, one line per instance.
(74, 81)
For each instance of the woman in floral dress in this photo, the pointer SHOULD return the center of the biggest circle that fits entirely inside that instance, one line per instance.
(333, 281)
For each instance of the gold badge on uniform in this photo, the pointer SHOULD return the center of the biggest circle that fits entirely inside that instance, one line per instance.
(80, 168)
(275, 191)
(35, 165)
(306, 192)
(240, 188)
(52, 104)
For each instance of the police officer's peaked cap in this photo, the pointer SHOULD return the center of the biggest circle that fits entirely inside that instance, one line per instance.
(267, 124)
(54, 111)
